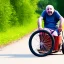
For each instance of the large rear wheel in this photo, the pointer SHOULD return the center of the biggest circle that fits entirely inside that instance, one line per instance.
(35, 43)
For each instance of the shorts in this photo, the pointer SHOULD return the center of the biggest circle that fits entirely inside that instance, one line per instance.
(53, 32)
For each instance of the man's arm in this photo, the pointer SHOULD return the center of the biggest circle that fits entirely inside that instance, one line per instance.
(40, 22)
(61, 23)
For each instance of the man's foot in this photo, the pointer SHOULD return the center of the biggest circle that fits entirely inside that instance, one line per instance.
(42, 51)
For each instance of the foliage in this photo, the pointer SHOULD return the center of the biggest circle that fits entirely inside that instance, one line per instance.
(16, 12)
(60, 6)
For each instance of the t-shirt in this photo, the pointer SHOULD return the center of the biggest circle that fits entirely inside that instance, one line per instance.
(51, 21)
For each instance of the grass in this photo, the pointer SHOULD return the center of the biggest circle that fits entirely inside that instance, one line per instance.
(15, 33)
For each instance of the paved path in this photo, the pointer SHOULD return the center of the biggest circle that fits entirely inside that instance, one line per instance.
(19, 53)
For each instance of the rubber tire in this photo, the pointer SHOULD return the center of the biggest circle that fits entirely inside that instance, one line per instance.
(30, 43)
(63, 48)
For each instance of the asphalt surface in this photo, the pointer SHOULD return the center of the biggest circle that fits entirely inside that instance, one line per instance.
(18, 53)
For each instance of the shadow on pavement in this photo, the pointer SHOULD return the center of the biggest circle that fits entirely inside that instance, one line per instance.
(18, 55)
(23, 55)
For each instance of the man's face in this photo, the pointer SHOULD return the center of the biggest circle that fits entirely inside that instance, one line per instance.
(49, 11)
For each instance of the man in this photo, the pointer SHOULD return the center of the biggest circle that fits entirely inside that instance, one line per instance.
(51, 18)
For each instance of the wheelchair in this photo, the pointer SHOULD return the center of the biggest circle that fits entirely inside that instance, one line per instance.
(42, 43)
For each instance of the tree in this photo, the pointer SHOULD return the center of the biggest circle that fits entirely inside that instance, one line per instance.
(60, 6)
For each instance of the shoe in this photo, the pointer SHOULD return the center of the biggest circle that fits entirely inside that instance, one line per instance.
(54, 51)
(42, 51)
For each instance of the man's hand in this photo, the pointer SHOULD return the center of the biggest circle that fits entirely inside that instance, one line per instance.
(61, 24)
(40, 28)
(59, 29)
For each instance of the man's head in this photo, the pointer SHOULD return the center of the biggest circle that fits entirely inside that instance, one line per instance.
(49, 9)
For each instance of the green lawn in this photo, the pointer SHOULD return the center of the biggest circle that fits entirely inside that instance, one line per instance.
(16, 32)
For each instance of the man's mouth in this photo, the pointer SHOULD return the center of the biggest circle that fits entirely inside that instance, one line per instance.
(49, 12)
